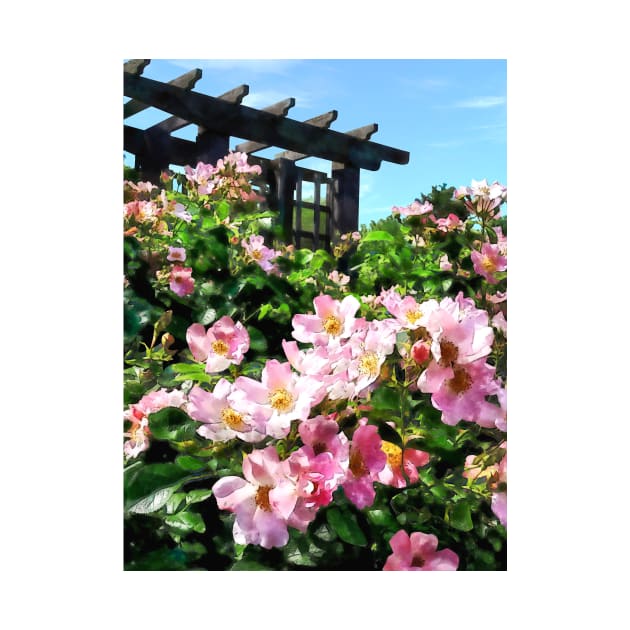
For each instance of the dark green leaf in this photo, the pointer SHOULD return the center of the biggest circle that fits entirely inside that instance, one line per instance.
(172, 424)
(382, 518)
(187, 462)
(385, 398)
(460, 517)
(146, 481)
(257, 341)
(344, 523)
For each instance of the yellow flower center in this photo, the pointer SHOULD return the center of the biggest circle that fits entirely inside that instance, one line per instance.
(487, 265)
(233, 419)
(356, 463)
(256, 254)
(394, 454)
(461, 381)
(414, 316)
(281, 400)
(332, 325)
(220, 347)
(262, 498)
(448, 353)
(368, 364)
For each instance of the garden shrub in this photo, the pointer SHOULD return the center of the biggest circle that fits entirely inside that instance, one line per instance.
(288, 409)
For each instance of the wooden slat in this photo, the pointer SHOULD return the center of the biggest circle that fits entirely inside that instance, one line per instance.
(323, 120)
(136, 66)
(298, 211)
(185, 81)
(363, 133)
(174, 123)
(316, 213)
(246, 122)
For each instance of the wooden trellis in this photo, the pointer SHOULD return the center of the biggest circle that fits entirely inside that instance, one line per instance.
(219, 118)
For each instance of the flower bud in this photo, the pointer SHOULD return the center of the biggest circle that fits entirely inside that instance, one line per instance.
(420, 352)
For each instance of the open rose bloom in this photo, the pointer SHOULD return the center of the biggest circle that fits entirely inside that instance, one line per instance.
(223, 344)
(262, 501)
(418, 552)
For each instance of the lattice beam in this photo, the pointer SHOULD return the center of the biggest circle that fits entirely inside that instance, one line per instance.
(323, 120)
(185, 81)
(238, 120)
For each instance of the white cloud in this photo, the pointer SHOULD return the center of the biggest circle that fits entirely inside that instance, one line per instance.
(482, 102)
(264, 98)
(269, 66)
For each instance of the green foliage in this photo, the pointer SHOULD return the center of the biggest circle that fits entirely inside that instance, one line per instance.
(172, 521)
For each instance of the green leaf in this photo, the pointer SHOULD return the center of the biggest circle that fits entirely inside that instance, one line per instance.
(460, 517)
(144, 483)
(264, 309)
(184, 522)
(153, 502)
(222, 210)
(344, 523)
(377, 235)
(257, 341)
(385, 398)
(197, 496)
(382, 518)
(174, 503)
(187, 462)
(172, 424)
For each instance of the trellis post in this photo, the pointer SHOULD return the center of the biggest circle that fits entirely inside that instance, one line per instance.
(345, 198)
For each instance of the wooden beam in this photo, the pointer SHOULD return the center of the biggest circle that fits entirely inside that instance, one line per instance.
(246, 122)
(181, 151)
(363, 133)
(323, 121)
(185, 81)
(136, 66)
(174, 123)
(345, 206)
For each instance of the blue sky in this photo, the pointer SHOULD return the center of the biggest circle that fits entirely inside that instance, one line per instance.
(449, 114)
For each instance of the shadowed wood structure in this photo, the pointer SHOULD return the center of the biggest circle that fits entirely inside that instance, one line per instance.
(330, 213)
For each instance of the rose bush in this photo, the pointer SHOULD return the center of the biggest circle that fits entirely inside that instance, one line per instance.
(290, 409)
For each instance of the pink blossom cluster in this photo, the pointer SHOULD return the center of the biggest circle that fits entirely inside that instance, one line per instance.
(425, 210)
(482, 198)
(229, 178)
(138, 415)
(347, 352)
(414, 209)
(150, 209)
(456, 337)
(458, 377)
(256, 251)
(275, 494)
